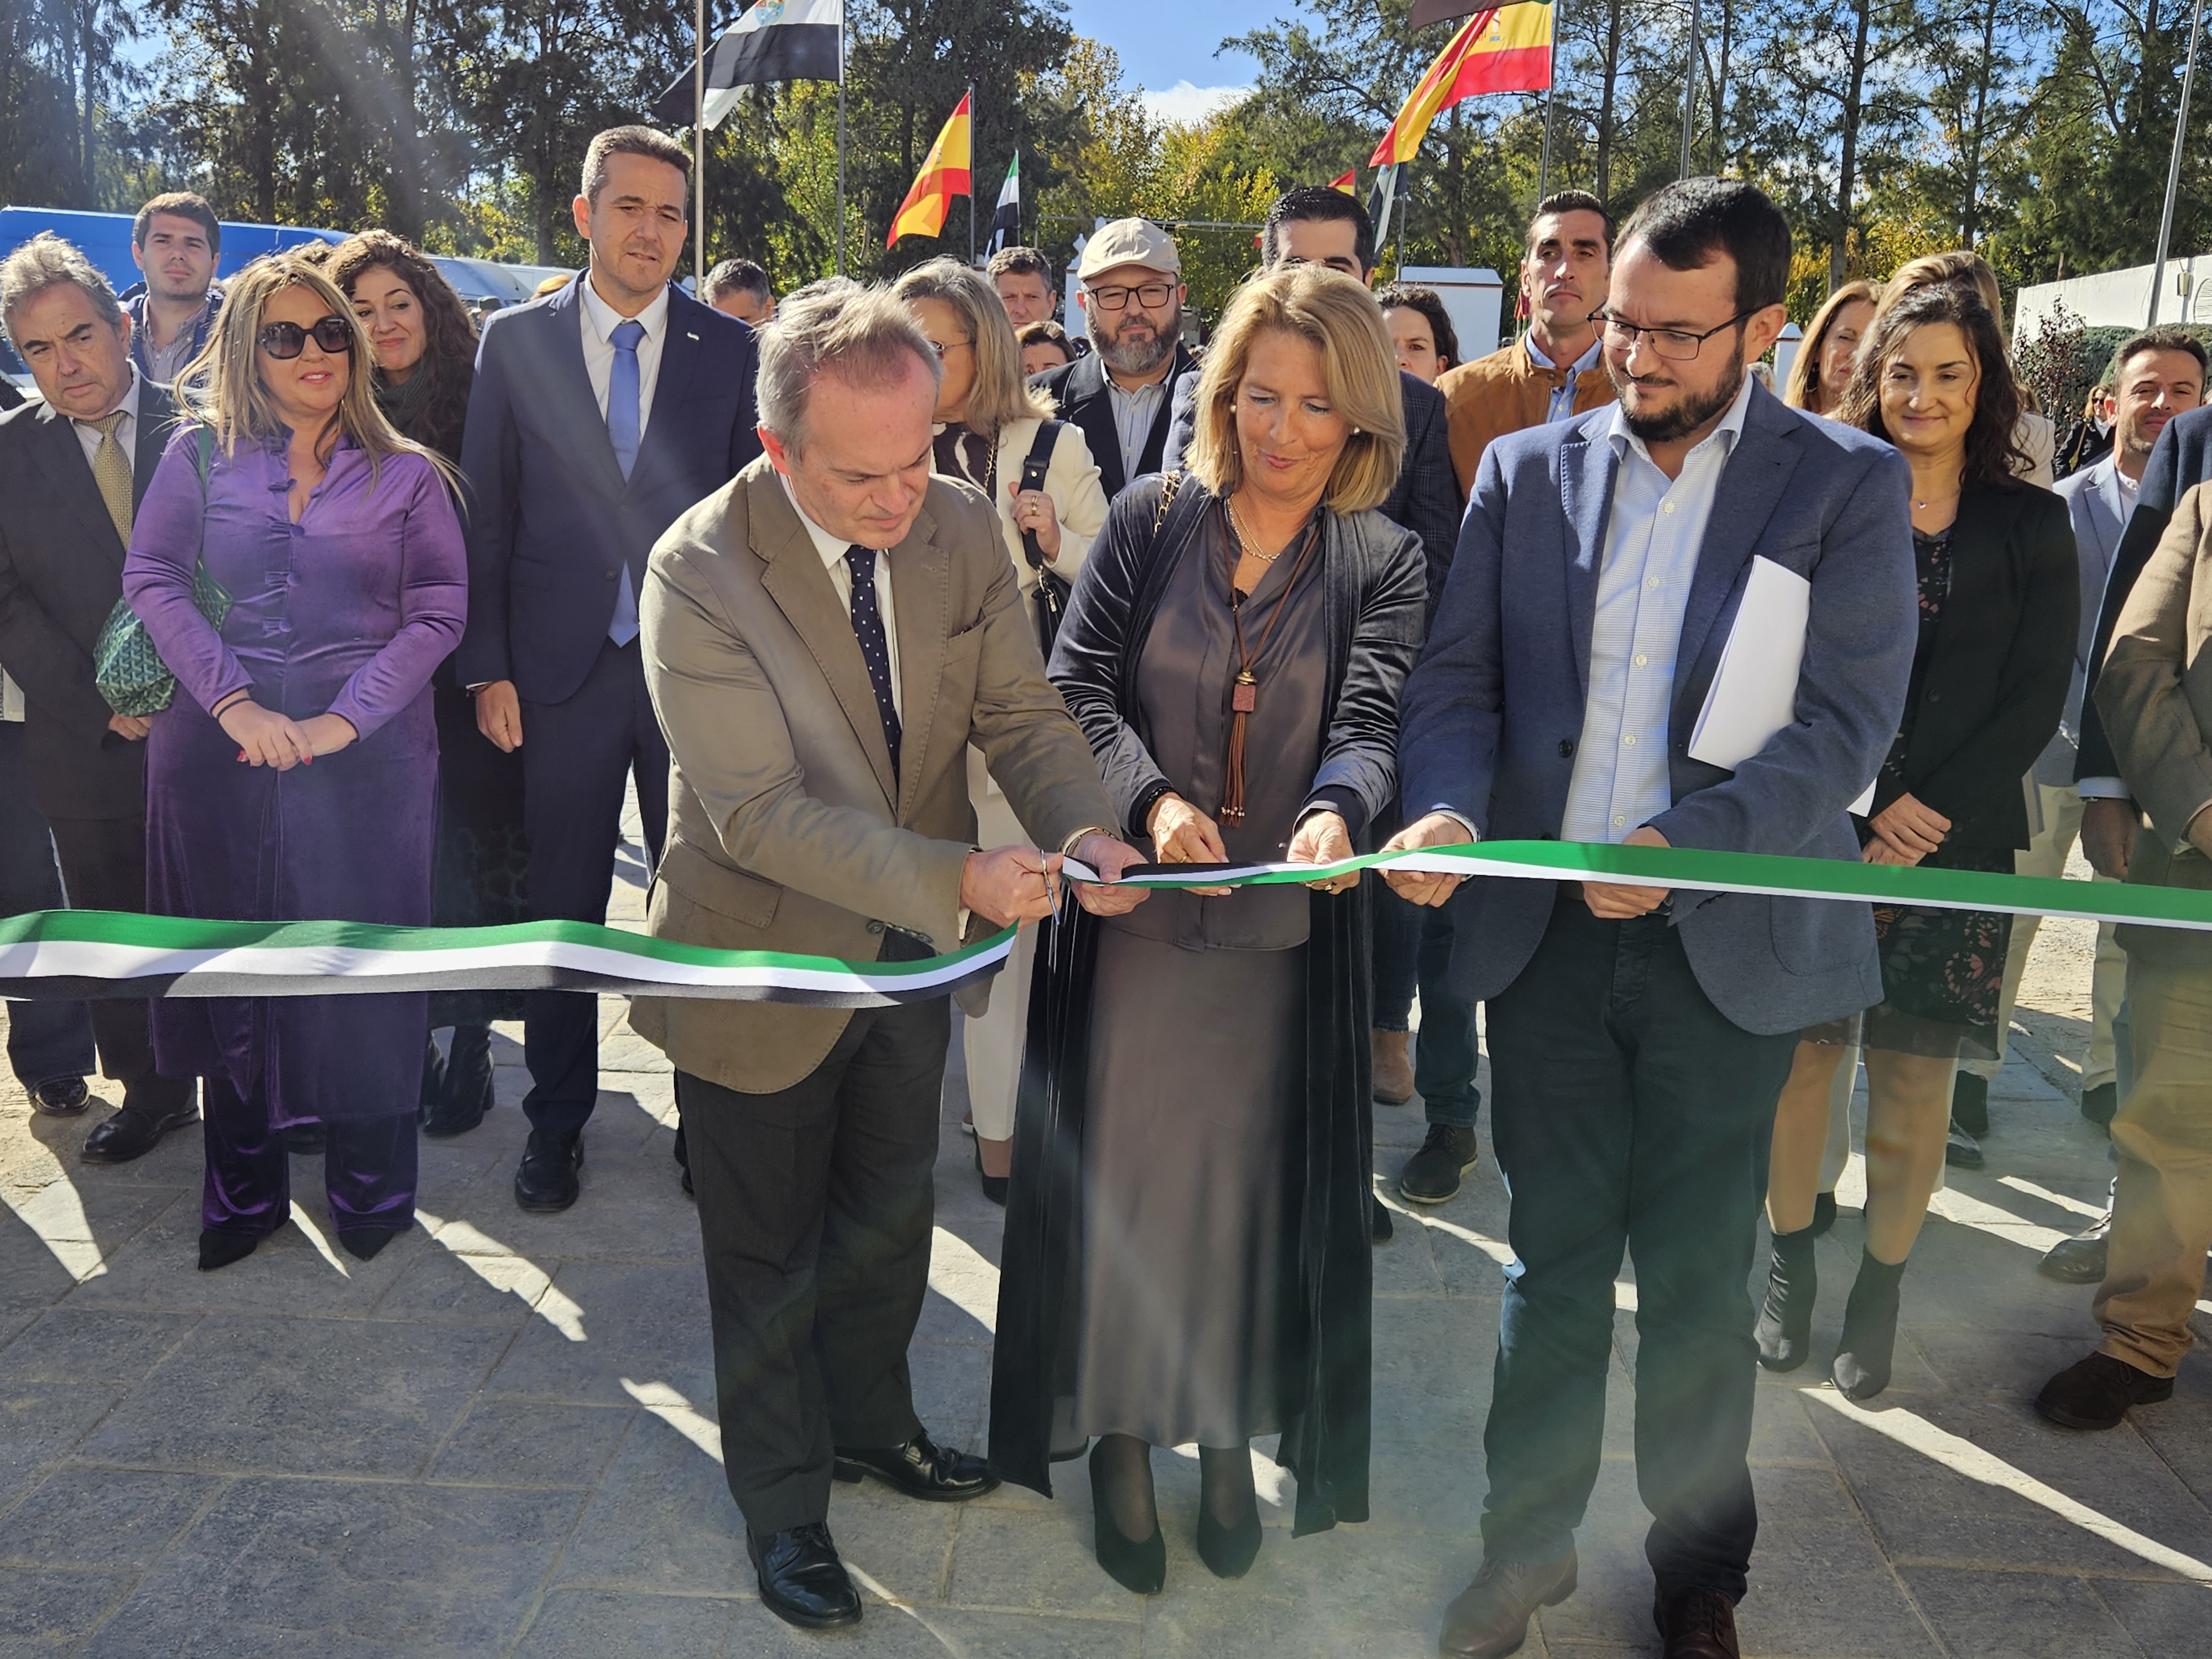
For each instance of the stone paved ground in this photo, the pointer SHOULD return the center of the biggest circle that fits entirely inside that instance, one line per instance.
(497, 1438)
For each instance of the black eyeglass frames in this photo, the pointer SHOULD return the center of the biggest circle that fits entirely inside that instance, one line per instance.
(288, 340)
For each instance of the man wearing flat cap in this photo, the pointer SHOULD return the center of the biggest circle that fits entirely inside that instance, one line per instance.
(1131, 291)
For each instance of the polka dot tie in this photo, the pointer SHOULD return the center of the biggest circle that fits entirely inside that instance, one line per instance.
(875, 651)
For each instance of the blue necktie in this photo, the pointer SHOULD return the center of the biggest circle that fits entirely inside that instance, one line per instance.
(622, 431)
(868, 629)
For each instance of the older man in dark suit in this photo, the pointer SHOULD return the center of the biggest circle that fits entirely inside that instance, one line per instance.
(72, 470)
(600, 413)
(1639, 1038)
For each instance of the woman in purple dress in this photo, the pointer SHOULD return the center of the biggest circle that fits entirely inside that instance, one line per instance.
(295, 775)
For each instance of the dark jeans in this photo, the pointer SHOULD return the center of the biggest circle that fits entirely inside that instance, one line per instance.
(104, 868)
(814, 1205)
(48, 1041)
(368, 1167)
(1414, 944)
(576, 756)
(1627, 1112)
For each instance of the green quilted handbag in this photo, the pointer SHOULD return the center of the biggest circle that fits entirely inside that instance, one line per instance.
(126, 668)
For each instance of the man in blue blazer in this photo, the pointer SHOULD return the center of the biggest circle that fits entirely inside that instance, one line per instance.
(1639, 1038)
(600, 413)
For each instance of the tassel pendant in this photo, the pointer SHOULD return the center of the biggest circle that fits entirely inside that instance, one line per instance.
(1244, 698)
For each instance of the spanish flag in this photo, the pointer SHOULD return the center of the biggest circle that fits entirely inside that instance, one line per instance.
(943, 176)
(1506, 49)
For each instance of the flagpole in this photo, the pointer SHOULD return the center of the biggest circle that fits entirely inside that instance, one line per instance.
(699, 146)
(841, 141)
(1544, 167)
(2173, 167)
(971, 175)
(1690, 90)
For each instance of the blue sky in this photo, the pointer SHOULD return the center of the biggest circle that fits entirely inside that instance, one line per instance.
(1167, 45)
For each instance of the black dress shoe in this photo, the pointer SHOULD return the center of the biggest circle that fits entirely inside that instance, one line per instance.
(221, 1249)
(1491, 1617)
(1380, 1228)
(995, 1187)
(2097, 1104)
(364, 1243)
(1697, 1623)
(1961, 1150)
(1138, 1565)
(546, 1181)
(2079, 1259)
(133, 1131)
(1228, 1552)
(1433, 1175)
(802, 1582)
(465, 1086)
(308, 1139)
(63, 1097)
(2096, 1393)
(921, 1469)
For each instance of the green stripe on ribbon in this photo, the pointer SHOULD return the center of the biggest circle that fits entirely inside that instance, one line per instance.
(94, 953)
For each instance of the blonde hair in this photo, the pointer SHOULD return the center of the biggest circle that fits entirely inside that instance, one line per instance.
(1804, 384)
(222, 389)
(1000, 396)
(1358, 365)
(1960, 267)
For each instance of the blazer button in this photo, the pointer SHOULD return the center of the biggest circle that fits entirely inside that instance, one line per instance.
(875, 928)
(1566, 747)
(608, 575)
(1935, 696)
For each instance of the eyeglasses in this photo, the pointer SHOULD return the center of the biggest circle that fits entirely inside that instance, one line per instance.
(945, 348)
(1151, 296)
(285, 341)
(1676, 344)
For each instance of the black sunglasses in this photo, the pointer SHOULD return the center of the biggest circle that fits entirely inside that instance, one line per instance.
(288, 340)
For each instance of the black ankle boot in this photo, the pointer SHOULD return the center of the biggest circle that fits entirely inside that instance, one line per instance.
(1863, 1356)
(1785, 1322)
(221, 1249)
(1138, 1565)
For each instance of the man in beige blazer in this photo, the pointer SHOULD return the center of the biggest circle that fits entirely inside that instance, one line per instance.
(824, 637)
(2154, 694)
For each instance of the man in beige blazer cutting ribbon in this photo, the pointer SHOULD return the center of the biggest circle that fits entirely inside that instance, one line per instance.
(824, 637)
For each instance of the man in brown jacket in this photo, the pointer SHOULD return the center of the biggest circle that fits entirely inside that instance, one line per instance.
(2155, 695)
(824, 637)
(1552, 371)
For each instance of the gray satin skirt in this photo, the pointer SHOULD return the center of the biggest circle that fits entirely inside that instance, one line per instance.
(1186, 1159)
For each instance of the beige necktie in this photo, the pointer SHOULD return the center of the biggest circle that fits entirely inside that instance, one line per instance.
(111, 471)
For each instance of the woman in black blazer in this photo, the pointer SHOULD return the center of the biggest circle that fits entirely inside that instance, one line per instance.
(1999, 605)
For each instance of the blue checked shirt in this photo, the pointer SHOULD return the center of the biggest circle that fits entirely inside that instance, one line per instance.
(1561, 403)
(1652, 537)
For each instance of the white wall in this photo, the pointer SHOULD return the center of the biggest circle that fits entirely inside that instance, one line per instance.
(2121, 298)
(1473, 298)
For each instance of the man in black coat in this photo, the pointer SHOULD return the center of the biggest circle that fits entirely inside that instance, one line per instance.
(1121, 394)
(73, 469)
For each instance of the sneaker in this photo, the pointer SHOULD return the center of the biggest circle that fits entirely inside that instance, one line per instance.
(1433, 1175)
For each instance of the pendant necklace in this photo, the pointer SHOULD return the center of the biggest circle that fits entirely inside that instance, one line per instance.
(1244, 691)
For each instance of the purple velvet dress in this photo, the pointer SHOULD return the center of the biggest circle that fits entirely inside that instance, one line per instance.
(347, 611)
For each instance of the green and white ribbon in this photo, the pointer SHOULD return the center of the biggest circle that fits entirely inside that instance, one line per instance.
(105, 954)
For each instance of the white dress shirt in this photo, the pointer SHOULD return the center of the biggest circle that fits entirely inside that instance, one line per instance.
(1562, 402)
(1652, 539)
(601, 320)
(126, 430)
(833, 552)
(1135, 408)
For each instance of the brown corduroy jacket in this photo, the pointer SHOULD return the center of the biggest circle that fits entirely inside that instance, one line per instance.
(1505, 392)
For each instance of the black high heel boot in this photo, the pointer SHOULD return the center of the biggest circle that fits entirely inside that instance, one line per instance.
(1863, 1357)
(1137, 1565)
(1785, 1321)
(219, 1251)
(1228, 1551)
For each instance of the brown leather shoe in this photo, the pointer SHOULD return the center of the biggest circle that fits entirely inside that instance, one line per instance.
(1490, 1617)
(1697, 1623)
(1394, 1067)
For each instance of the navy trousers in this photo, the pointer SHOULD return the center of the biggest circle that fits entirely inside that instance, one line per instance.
(576, 757)
(48, 1041)
(1627, 1114)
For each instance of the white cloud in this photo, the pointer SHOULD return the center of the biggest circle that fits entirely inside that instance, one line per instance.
(1184, 103)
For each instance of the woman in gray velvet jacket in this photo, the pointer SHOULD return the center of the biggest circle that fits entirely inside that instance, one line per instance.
(1188, 1229)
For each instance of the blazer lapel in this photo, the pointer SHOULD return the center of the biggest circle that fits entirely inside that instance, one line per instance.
(157, 423)
(1748, 490)
(1588, 467)
(922, 581)
(60, 458)
(2114, 519)
(802, 588)
(1090, 408)
(680, 348)
(564, 320)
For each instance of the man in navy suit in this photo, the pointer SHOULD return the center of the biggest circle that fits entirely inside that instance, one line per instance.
(1639, 1038)
(599, 414)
